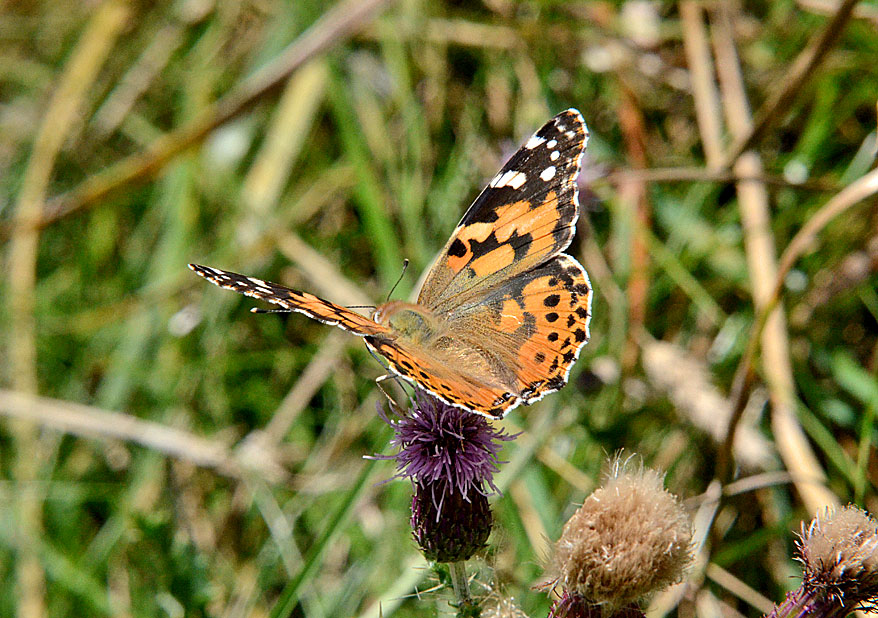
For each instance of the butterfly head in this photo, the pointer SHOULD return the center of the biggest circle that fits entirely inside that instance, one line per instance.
(412, 322)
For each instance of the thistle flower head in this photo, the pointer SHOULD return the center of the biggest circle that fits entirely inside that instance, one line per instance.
(628, 539)
(450, 455)
(839, 551)
(572, 605)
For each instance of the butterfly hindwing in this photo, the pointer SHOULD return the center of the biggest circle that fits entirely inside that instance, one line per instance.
(556, 299)
(525, 215)
(294, 300)
(527, 333)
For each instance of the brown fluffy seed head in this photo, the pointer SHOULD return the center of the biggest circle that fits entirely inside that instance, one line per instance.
(840, 552)
(629, 538)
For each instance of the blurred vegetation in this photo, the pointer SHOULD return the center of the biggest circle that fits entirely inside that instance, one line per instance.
(188, 458)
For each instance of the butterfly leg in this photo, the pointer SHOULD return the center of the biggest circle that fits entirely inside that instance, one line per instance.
(388, 396)
(387, 376)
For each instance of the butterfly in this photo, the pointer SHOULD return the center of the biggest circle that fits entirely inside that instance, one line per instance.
(503, 312)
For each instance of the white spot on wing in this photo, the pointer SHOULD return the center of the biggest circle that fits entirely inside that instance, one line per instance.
(554, 156)
(509, 179)
(548, 173)
(552, 143)
(534, 141)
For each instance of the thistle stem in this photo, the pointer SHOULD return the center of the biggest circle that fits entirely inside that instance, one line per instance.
(460, 582)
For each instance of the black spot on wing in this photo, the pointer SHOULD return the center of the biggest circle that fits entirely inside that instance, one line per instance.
(457, 248)
(489, 215)
(555, 383)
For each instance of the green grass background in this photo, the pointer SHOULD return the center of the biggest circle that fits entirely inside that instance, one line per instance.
(219, 466)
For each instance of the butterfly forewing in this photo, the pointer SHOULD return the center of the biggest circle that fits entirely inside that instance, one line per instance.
(294, 300)
(525, 215)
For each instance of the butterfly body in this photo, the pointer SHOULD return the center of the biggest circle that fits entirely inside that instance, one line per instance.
(502, 313)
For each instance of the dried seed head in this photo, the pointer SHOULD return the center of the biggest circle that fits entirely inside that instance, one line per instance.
(628, 539)
(840, 553)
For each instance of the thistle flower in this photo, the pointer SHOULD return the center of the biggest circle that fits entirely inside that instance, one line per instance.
(629, 538)
(839, 551)
(450, 455)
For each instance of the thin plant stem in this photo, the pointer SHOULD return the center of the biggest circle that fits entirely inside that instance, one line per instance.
(460, 582)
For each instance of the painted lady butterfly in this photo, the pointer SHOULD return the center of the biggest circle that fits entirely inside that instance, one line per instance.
(502, 313)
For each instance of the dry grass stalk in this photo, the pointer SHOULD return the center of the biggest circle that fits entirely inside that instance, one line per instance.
(762, 261)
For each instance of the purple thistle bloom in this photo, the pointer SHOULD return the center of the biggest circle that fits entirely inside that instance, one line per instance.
(450, 455)
(446, 447)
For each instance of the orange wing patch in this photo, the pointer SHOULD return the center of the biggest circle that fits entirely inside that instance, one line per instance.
(292, 300)
(559, 296)
(526, 234)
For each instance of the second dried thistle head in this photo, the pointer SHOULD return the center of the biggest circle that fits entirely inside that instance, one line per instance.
(629, 538)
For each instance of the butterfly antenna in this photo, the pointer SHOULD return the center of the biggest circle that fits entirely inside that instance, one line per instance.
(405, 265)
(258, 310)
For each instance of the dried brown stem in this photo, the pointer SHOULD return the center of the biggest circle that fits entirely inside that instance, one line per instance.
(704, 92)
(632, 194)
(702, 174)
(95, 423)
(67, 100)
(851, 195)
(802, 69)
(791, 441)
